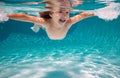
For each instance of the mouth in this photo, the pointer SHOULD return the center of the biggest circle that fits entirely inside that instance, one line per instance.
(62, 20)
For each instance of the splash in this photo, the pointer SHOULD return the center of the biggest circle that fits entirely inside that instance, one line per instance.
(6, 9)
(110, 12)
(3, 17)
(3, 13)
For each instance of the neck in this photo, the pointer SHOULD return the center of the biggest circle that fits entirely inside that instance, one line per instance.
(56, 25)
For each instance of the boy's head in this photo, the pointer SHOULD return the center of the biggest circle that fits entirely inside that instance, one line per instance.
(58, 11)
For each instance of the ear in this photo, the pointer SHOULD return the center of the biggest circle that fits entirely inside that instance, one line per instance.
(51, 14)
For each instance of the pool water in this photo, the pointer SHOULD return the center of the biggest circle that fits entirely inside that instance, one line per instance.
(90, 49)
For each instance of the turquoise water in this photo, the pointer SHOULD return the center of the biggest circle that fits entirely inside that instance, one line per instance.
(90, 50)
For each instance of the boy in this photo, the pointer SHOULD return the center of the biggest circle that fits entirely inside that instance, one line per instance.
(55, 21)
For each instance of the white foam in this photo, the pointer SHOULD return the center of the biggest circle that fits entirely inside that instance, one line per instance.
(3, 17)
(110, 12)
(4, 10)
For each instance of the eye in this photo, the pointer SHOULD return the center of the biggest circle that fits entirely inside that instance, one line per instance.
(60, 11)
(67, 12)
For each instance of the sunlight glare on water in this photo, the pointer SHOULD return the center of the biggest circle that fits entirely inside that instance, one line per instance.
(55, 62)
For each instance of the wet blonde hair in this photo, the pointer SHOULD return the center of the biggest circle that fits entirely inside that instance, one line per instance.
(52, 7)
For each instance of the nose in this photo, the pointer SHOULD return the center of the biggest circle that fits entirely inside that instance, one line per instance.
(64, 15)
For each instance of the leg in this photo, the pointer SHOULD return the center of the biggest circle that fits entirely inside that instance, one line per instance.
(35, 28)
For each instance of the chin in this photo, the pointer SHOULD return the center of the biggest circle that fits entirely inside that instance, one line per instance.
(63, 23)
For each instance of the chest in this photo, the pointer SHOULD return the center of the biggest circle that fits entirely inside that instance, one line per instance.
(56, 33)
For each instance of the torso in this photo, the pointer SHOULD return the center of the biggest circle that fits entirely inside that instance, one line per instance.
(56, 33)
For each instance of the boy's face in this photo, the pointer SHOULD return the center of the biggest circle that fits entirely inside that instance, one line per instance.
(61, 16)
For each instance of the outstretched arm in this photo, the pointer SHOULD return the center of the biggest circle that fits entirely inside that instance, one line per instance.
(81, 16)
(25, 18)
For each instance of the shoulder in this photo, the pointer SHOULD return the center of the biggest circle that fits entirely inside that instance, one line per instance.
(69, 23)
(44, 23)
(41, 20)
